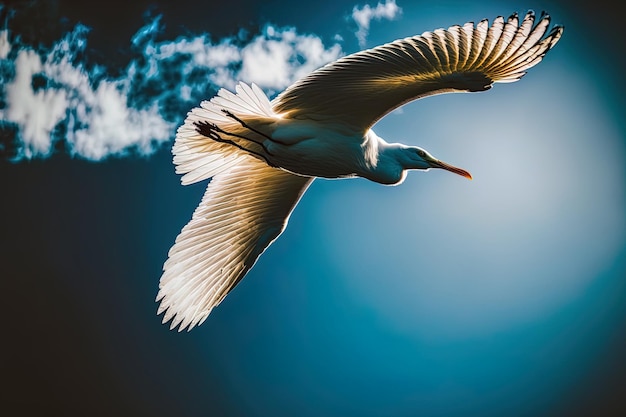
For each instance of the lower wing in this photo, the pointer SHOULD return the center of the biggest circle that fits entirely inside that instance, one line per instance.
(242, 212)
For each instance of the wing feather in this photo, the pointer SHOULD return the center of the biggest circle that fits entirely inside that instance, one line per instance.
(454, 36)
(461, 58)
(242, 212)
(478, 40)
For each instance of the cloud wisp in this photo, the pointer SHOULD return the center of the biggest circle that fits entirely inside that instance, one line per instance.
(362, 16)
(51, 97)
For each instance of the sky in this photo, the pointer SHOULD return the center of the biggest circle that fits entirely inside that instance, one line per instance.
(505, 295)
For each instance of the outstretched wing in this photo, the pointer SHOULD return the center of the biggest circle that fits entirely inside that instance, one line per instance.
(242, 212)
(244, 209)
(359, 89)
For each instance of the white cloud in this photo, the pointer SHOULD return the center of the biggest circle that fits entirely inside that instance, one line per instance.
(96, 116)
(112, 127)
(362, 16)
(38, 111)
(53, 95)
(279, 57)
(5, 46)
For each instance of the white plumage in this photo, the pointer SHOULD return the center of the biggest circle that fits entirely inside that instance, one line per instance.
(261, 156)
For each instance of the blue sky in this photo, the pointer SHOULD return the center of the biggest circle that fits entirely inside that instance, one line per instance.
(442, 297)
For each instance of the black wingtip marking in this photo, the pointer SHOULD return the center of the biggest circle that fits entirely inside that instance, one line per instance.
(468, 81)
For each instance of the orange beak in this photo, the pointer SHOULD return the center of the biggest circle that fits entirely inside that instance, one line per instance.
(438, 164)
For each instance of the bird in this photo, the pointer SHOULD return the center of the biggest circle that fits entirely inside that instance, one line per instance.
(260, 156)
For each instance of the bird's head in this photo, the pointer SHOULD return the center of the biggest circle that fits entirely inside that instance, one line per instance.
(418, 158)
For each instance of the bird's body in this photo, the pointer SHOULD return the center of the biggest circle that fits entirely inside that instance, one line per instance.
(261, 156)
(308, 149)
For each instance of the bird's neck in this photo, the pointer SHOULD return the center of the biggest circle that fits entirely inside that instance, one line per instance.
(382, 161)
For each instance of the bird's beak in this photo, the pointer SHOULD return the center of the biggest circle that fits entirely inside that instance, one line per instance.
(435, 163)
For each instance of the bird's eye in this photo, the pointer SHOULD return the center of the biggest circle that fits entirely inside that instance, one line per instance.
(421, 153)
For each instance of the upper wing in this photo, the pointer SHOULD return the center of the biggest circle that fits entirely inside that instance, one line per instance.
(245, 207)
(243, 210)
(359, 89)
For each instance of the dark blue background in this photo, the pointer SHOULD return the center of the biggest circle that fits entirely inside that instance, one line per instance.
(82, 245)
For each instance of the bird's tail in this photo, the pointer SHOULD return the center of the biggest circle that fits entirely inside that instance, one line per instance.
(197, 156)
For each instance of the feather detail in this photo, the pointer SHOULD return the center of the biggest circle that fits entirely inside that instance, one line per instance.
(461, 58)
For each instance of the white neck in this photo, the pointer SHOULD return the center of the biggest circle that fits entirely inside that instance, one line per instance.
(382, 160)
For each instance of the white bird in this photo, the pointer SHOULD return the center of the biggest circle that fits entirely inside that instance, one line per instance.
(262, 155)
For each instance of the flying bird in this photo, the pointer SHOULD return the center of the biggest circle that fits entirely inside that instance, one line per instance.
(262, 155)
